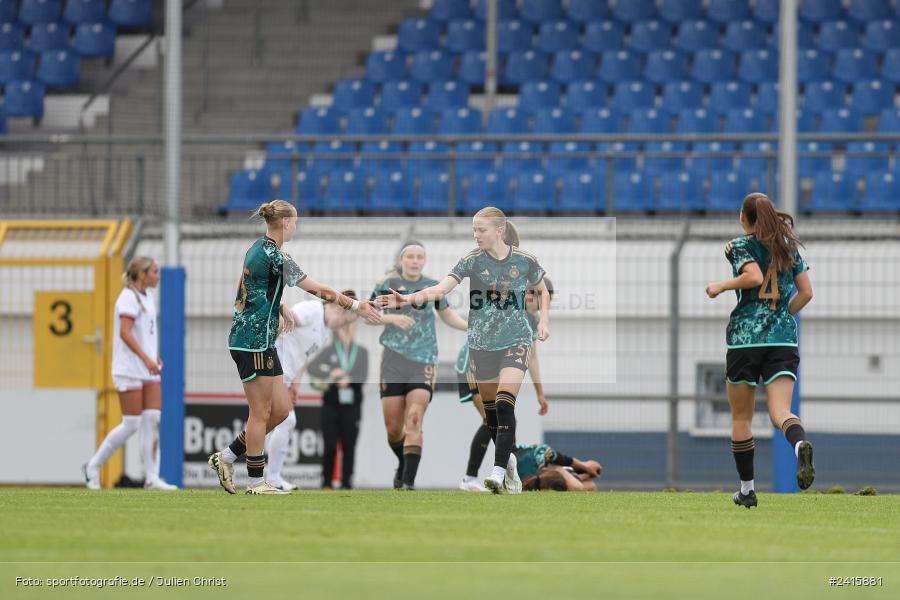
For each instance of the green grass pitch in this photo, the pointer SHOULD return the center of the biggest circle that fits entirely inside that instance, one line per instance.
(449, 544)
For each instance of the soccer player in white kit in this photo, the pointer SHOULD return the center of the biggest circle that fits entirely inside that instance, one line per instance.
(314, 322)
(136, 368)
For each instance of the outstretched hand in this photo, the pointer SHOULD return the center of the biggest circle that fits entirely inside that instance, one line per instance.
(370, 312)
(393, 300)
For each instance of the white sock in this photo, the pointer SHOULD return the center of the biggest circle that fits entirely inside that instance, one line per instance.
(747, 487)
(229, 456)
(797, 448)
(468, 479)
(256, 481)
(150, 443)
(278, 445)
(498, 473)
(113, 441)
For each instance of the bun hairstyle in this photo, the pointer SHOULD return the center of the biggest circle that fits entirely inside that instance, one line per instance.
(498, 219)
(773, 228)
(275, 210)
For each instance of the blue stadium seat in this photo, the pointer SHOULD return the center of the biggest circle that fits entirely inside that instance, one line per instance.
(59, 69)
(871, 97)
(554, 120)
(472, 68)
(664, 66)
(563, 157)
(585, 11)
(345, 192)
(385, 66)
(331, 156)
(603, 36)
(744, 35)
(246, 190)
(647, 36)
(554, 36)
(632, 192)
(709, 157)
(416, 35)
(619, 66)
(85, 11)
(726, 11)
(16, 65)
(767, 97)
(754, 157)
(464, 36)
(881, 36)
(520, 156)
(582, 192)
(434, 65)
(821, 95)
(727, 95)
(758, 66)
(680, 192)
(869, 10)
(541, 11)
(48, 36)
(508, 121)
(727, 190)
(281, 156)
(841, 120)
(656, 160)
(457, 121)
(680, 95)
(697, 35)
(487, 189)
(634, 10)
(854, 65)
(368, 120)
(678, 11)
(805, 36)
(414, 121)
(813, 157)
(890, 68)
(630, 95)
(585, 95)
(619, 156)
(447, 94)
(475, 157)
(12, 36)
(889, 120)
(380, 156)
(353, 93)
(131, 13)
(813, 65)
(400, 94)
(697, 120)
(821, 10)
(8, 11)
(534, 95)
(602, 120)
(319, 120)
(423, 156)
(524, 66)
(434, 194)
(24, 99)
(831, 192)
(97, 40)
(837, 35)
(865, 157)
(450, 10)
(513, 36)
(882, 193)
(745, 120)
(506, 9)
(572, 65)
(32, 12)
(534, 193)
(392, 191)
(711, 65)
(766, 11)
(649, 120)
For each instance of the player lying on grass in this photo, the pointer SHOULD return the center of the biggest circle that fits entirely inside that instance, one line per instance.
(543, 468)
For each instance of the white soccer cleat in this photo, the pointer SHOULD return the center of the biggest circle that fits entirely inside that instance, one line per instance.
(512, 481)
(160, 484)
(470, 484)
(265, 489)
(224, 470)
(283, 484)
(494, 483)
(91, 478)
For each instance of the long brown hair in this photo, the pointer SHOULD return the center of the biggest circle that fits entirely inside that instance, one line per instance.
(546, 479)
(773, 228)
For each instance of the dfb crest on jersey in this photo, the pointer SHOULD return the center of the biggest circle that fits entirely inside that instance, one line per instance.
(270, 364)
(514, 271)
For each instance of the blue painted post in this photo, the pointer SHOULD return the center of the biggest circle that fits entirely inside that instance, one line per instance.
(171, 325)
(784, 461)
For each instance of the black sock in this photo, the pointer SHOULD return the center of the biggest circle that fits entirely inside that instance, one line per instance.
(478, 449)
(793, 431)
(411, 457)
(506, 428)
(490, 419)
(239, 445)
(743, 458)
(256, 465)
(397, 449)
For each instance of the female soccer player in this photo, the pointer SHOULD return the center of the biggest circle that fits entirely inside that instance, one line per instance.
(265, 272)
(538, 461)
(499, 332)
(408, 360)
(762, 334)
(136, 370)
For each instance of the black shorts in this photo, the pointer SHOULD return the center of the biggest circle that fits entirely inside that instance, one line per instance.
(399, 375)
(487, 364)
(467, 386)
(748, 365)
(253, 364)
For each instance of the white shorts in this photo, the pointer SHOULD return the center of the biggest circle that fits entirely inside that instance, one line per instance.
(130, 384)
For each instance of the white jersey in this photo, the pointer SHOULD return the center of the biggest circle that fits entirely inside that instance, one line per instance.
(310, 334)
(141, 308)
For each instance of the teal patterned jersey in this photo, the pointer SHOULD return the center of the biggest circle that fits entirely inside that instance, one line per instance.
(256, 308)
(761, 317)
(497, 315)
(419, 343)
(462, 359)
(533, 458)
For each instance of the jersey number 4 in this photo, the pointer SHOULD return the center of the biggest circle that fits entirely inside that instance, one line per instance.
(769, 288)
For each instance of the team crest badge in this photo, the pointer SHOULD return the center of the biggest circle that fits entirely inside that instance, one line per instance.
(270, 364)
(514, 272)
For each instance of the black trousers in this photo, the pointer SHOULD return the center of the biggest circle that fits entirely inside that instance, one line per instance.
(340, 422)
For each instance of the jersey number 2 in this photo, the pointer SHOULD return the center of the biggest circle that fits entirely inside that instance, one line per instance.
(769, 289)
